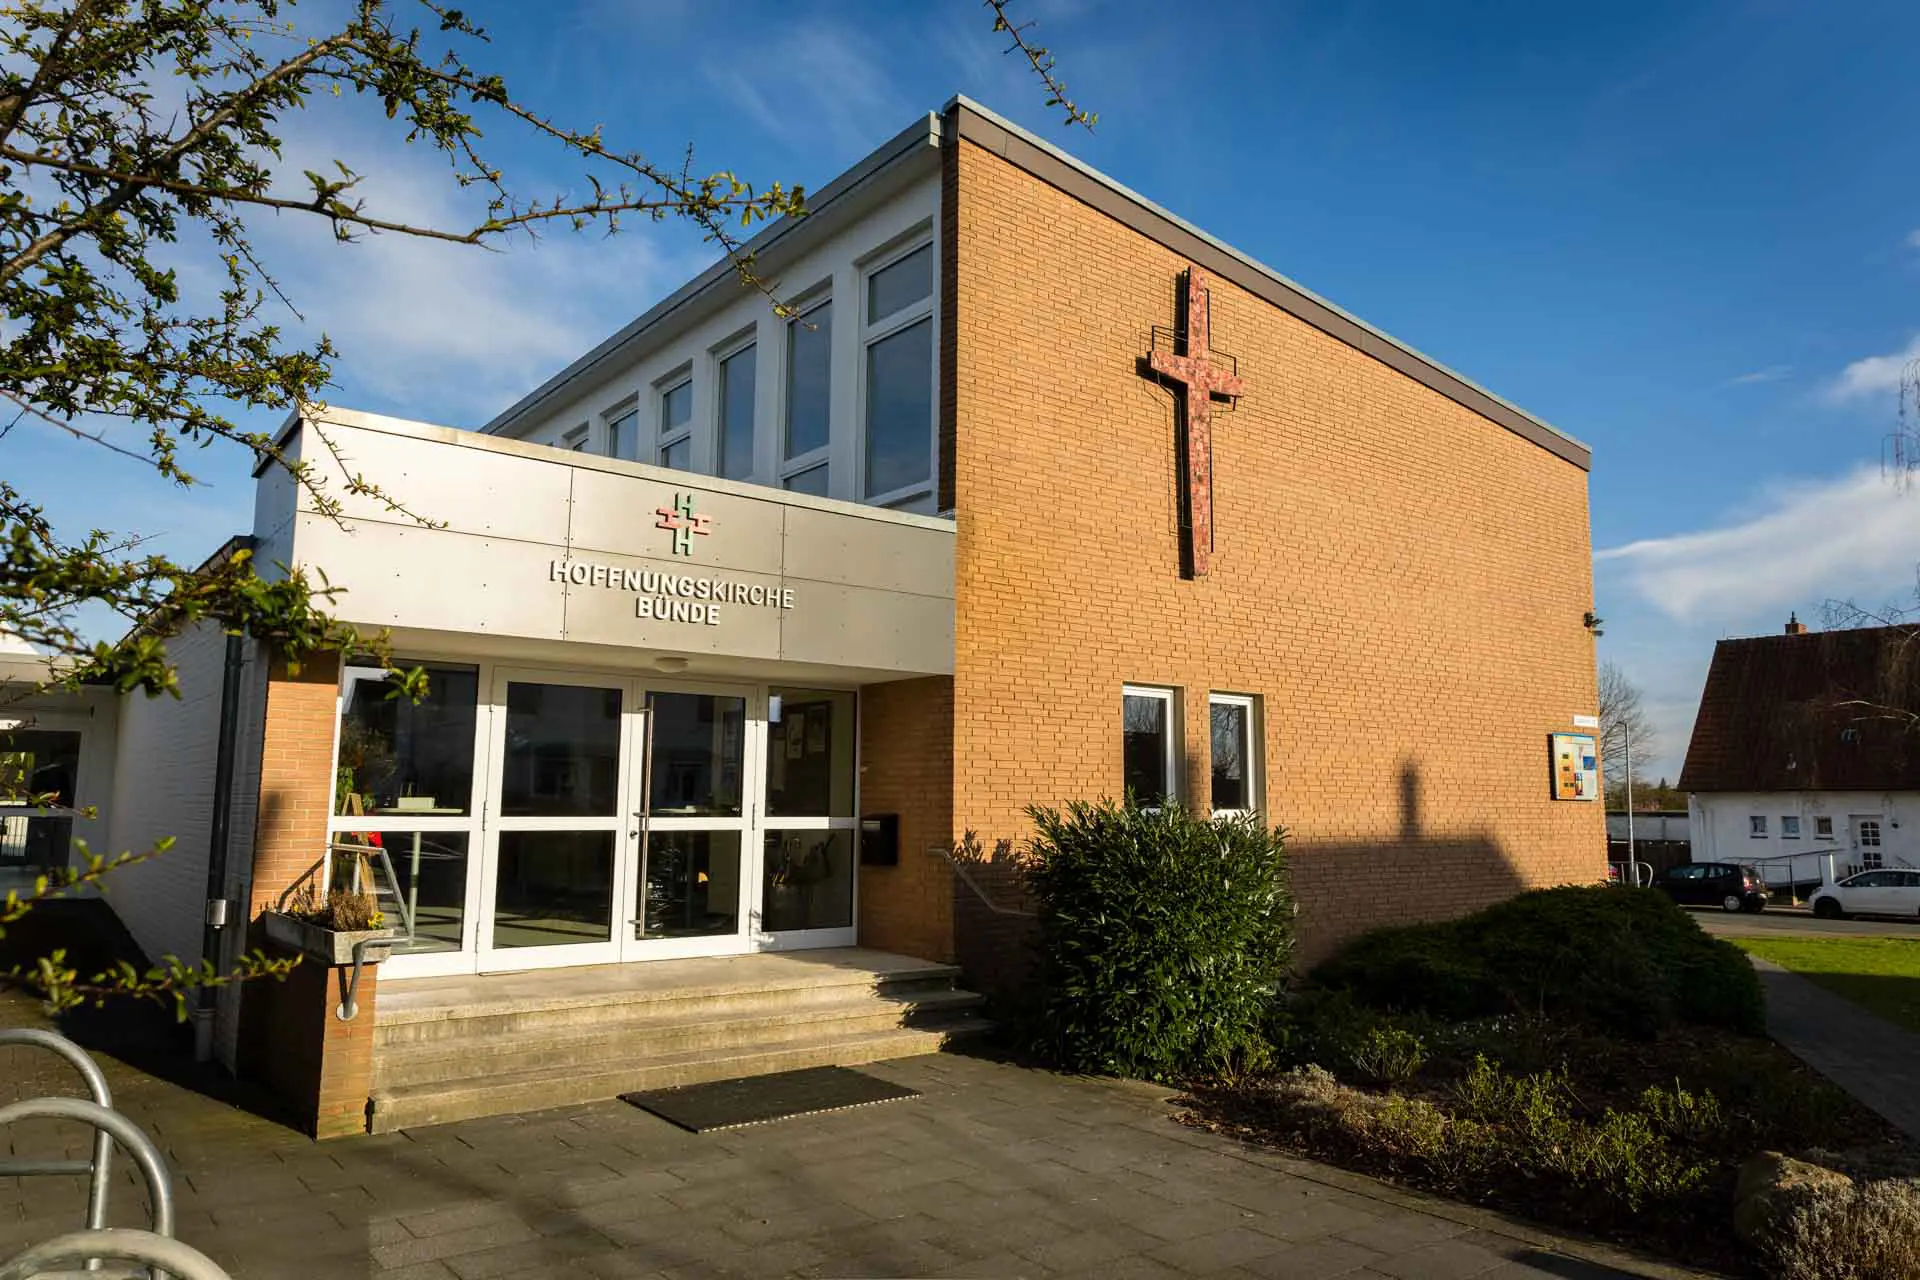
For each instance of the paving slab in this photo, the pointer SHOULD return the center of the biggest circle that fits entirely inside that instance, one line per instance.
(1871, 1058)
(995, 1170)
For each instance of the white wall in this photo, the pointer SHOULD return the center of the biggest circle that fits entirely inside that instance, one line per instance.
(163, 786)
(835, 267)
(1721, 828)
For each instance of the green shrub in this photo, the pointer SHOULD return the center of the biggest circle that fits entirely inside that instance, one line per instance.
(1684, 1116)
(1628, 960)
(1162, 938)
(1388, 1055)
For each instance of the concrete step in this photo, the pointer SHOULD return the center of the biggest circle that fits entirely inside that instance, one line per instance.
(402, 1019)
(567, 1084)
(649, 1034)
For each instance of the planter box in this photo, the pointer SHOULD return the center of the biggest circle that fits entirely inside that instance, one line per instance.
(326, 945)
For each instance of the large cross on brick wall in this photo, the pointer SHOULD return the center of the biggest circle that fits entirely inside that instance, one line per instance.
(1198, 381)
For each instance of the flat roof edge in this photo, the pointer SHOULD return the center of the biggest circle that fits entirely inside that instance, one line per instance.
(1001, 137)
(923, 134)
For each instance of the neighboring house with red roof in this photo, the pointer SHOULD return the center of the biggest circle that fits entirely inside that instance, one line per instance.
(1805, 757)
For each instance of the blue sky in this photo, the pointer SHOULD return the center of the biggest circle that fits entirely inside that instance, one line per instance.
(1687, 234)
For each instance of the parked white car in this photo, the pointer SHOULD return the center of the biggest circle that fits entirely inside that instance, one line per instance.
(1886, 892)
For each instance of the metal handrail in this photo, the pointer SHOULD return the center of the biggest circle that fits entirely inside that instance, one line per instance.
(122, 1130)
(96, 1082)
(163, 1254)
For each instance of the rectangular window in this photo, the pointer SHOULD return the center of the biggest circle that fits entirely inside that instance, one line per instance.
(736, 415)
(897, 340)
(809, 378)
(1789, 827)
(1231, 741)
(1148, 746)
(1823, 828)
(403, 800)
(623, 436)
(813, 480)
(39, 771)
(676, 426)
(1757, 826)
(807, 870)
(575, 441)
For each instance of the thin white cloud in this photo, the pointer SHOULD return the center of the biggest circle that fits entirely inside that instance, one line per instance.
(1874, 375)
(816, 82)
(1913, 238)
(1857, 536)
(1772, 373)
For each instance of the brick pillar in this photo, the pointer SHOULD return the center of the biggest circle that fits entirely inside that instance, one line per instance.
(320, 1066)
(906, 767)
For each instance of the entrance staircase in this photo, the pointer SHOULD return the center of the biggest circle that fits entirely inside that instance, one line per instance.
(455, 1048)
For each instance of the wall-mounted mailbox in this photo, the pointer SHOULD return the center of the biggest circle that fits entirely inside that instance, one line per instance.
(880, 840)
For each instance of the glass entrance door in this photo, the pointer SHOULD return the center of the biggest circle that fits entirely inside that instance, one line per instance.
(564, 757)
(691, 885)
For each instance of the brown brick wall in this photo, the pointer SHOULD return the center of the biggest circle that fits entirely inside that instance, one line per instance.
(1399, 580)
(906, 767)
(296, 776)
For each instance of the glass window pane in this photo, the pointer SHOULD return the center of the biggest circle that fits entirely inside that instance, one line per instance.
(810, 764)
(809, 356)
(553, 888)
(1229, 748)
(679, 454)
(562, 756)
(808, 879)
(900, 409)
(38, 768)
(698, 749)
(624, 433)
(813, 480)
(693, 884)
(1145, 750)
(899, 286)
(676, 408)
(429, 879)
(736, 415)
(401, 756)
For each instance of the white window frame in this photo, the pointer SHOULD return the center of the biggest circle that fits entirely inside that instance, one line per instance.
(1823, 829)
(610, 420)
(1170, 761)
(1757, 826)
(787, 468)
(663, 436)
(716, 413)
(874, 330)
(1789, 826)
(1250, 765)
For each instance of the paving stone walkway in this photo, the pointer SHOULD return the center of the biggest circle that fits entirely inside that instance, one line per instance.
(995, 1171)
(1871, 1058)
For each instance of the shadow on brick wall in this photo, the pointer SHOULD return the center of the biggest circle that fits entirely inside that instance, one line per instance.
(1342, 888)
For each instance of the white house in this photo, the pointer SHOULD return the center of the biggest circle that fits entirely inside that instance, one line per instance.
(1803, 761)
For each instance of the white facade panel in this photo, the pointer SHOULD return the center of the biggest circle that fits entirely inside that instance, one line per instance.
(1787, 841)
(163, 786)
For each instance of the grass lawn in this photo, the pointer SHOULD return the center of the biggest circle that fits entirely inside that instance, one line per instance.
(1878, 974)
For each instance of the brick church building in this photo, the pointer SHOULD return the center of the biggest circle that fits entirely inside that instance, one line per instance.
(740, 621)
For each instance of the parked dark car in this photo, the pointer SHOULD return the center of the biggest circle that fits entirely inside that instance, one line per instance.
(1714, 884)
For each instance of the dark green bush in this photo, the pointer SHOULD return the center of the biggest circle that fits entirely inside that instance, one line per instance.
(1162, 936)
(1625, 959)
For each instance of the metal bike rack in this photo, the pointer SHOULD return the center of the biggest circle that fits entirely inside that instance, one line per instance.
(163, 1254)
(96, 1082)
(156, 1248)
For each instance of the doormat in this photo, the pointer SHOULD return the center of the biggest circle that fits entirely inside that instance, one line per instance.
(734, 1104)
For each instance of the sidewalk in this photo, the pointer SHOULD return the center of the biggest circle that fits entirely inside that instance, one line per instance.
(1872, 1059)
(996, 1170)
